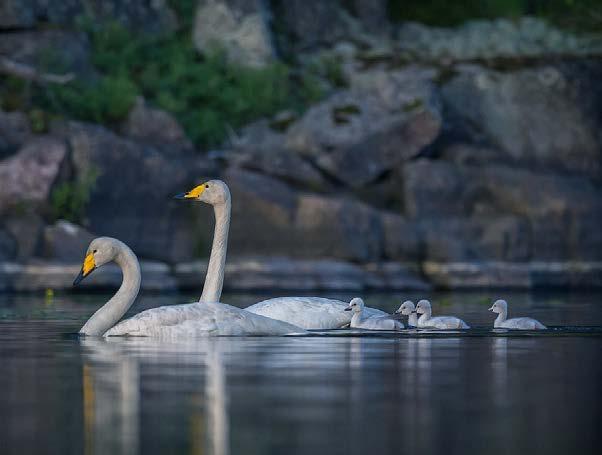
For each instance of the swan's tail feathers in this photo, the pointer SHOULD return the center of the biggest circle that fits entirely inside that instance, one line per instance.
(539, 326)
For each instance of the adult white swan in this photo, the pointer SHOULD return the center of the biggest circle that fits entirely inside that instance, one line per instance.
(501, 307)
(426, 321)
(174, 321)
(306, 312)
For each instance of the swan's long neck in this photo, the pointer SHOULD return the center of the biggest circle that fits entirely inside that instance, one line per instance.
(214, 280)
(501, 317)
(413, 319)
(357, 318)
(425, 316)
(112, 311)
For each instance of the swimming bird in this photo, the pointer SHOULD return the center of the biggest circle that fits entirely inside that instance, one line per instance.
(440, 322)
(501, 307)
(408, 309)
(305, 312)
(188, 320)
(361, 321)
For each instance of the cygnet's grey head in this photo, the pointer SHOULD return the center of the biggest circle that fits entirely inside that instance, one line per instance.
(356, 305)
(423, 306)
(406, 308)
(100, 251)
(213, 192)
(499, 306)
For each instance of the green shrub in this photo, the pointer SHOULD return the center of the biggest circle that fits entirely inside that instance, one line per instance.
(14, 93)
(107, 101)
(330, 68)
(185, 10)
(448, 13)
(70, 199)
(576, 14)
(207, 94)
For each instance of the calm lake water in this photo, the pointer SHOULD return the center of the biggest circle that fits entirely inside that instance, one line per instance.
(475, 392)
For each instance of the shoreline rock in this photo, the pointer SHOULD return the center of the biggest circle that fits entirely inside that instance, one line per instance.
(266, 274)
(488, 39)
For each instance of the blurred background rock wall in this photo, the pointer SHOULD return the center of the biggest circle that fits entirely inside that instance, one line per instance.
(365, 132)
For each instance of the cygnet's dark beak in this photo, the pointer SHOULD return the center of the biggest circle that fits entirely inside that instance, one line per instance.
(348, 308)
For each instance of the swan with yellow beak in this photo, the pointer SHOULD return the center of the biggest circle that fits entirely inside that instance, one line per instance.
(173, 321)
(306, 312)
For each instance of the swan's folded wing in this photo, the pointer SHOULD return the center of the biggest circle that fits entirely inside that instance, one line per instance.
(315, 313)
(382, 323)
(199, 319)
(525, 324)
(448, 322)
(149, 322)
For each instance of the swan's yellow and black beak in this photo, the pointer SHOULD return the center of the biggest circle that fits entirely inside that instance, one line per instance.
(193, 193)
(87, 268)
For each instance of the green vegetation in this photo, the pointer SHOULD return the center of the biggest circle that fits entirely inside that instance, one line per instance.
(207, 94)
(70, 199)
(14, 93)
(575, 14)
(330, 68)
(107, 101)
(447, 13)
(39, 121)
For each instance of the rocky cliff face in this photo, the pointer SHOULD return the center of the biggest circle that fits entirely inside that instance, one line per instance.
(451, 157)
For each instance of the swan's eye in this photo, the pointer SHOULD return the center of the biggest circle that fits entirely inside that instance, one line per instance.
(94, 251)
(206, 186)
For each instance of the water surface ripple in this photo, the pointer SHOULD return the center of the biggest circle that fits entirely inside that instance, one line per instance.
(347, 391)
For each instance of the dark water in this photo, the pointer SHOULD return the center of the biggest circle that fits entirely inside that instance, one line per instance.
(479, 392)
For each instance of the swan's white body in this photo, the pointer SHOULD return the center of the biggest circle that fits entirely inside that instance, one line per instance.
(177, 321)
(360, 320)
(441, 322)
(306, 312)
(197, 320)
(315, 313)
(501, 307)
(519, 323)
(408, 309)
(426, 321)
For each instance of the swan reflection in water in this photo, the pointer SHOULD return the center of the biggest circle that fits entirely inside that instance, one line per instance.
(112, 393)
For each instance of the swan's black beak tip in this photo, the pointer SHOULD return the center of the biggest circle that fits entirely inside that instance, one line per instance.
(180, 196)
(78, 278)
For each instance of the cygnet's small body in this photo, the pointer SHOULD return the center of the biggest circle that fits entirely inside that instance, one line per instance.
(501, 307)
(359, 321)
(408, 309)
(426, 321)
